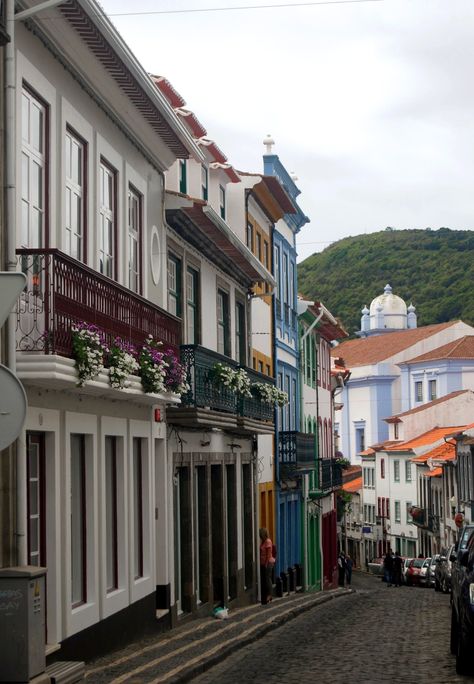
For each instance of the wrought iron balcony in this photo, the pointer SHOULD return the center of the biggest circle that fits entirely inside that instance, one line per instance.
(329, 474)
(61, 292)
(422, 518)
(206, 393)
(297, 450)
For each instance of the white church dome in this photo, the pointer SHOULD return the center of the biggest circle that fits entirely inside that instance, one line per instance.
(391, 304)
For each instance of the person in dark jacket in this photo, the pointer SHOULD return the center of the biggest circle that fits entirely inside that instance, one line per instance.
(349, 564)
(388, 568)
(397, 569)
(341, 568)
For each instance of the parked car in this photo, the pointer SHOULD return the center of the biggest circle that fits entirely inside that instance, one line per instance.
(406, 563)
(376, 566)
(432, 569)
(413, 572)
(462, 607)
(424, 572)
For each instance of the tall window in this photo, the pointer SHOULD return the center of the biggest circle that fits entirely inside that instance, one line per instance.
(138, 507)
(432, 389)
(408, 514)
(183, 180)
(418, 391)
(258, 246)
(174, 285)
(223, 346)
(78, 521)
(111, 537)
(395, 431)
(75, 196)
(250, 236)
(382, 468)
(240, 342)
(398, 516)
(285, 278)
(396, 471)
(204, 182)
(291, 285)
(407, 471)
(33, 170)
(276, 266)
(36, 499)
(107, 219)
(360, 439)
(134, 240)
(192, 306)
(222, 203)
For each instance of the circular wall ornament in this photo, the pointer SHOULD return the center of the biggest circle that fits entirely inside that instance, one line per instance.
(155, 255)
(12, 407)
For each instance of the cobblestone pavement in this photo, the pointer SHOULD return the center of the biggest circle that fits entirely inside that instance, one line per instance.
(378, 634)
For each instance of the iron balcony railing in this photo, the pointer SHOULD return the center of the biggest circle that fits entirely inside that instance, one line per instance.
(199, 363)
(422, 518)
(329, 474)
(61, 292)
(297, 450)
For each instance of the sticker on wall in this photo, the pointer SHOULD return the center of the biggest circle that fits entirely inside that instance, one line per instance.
(155, 255)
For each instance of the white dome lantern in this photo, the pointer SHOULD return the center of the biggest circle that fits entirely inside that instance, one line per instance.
(387, 313)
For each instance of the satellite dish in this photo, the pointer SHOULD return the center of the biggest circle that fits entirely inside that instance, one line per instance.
(12, 407)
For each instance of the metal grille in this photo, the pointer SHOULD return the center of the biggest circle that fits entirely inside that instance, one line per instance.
(61, 291)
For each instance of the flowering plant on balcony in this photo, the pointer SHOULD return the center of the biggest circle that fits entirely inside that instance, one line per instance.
(152, 366)
(88, 350)
(270, 394)
(122, 363)
(176, 377)
(235, 379)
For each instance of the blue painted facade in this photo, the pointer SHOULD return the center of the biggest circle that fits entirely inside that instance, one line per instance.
(286, 360)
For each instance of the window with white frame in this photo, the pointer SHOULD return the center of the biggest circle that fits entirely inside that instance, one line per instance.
(78, 521)
(222, 202)
(192, 306)
(223, 326)
(397, 512)
(75, 215)
(204, 182)
(418, 390)
(174, 284)
(360, 439)
(111, 513)
(396, 471)
(107, 219)
(409, 517)
(407, 471)
(134, 239)
(183, 181)
(432, 390)
(33, 170)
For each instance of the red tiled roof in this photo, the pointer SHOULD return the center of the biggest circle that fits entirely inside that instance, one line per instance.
(423, 407)
(172, 95)
(442, 452)
(436, 472)
(376, 348)
(353, 485)
(192, 122)
(425, 439)
(459, 349)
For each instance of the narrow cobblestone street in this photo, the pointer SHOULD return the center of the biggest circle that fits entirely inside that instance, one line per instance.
(378, 634)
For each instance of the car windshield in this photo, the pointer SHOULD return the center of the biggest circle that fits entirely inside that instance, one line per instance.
(426, 562)
(418, 562)
(466, 535)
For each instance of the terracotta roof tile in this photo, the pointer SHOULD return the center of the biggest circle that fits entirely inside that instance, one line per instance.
(436, 472)
(425, 439)
(376, 348)
(353, 486)
(459, 349)
(429, 404)
(442, 452)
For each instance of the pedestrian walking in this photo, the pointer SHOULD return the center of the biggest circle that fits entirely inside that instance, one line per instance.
(397, 569)
(341, 568)
(267, 563)
(349, 564)
(388, 568)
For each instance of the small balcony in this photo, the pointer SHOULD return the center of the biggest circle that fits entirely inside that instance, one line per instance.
(61, 292)
(296, 451)
(211, 404)
(425, 520)
(329, 477)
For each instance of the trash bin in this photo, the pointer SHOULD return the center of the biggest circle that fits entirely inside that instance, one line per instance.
(22, 623)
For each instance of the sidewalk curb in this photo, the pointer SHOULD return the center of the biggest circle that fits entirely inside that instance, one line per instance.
(193, 671)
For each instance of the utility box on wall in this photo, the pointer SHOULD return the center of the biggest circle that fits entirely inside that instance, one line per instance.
(22, 623)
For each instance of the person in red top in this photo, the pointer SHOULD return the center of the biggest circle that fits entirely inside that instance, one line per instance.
(267, 562)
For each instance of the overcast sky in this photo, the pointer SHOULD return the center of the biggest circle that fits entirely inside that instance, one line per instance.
(369, 103)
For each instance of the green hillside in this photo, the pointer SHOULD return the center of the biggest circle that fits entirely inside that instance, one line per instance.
(434, 269)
